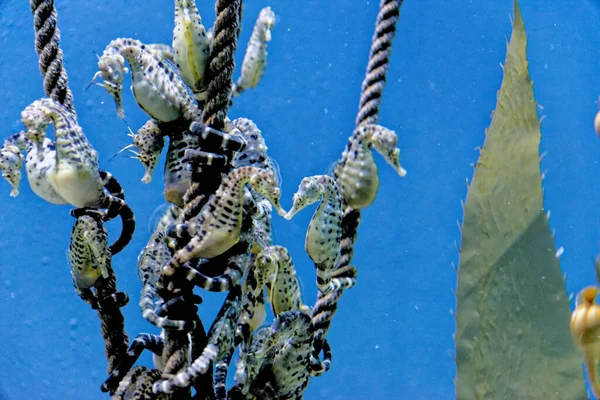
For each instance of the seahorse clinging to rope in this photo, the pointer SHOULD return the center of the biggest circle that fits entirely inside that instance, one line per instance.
(157, 87)
(191, 46)
(74, 174)
(324, 231)
(356, 172)
(218, 226)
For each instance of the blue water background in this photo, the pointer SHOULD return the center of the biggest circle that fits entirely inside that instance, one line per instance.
(392, 335)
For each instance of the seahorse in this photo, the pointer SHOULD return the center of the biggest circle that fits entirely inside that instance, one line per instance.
(157, 87)
(284, 355)
(255, 59)
(255, 155)
(284, 288)
(88, 254)
(191, 46)
(75, 175)
(149, 142)
(219, 349)
(218, 226)
(249, 363)
(356, 172)
(273, 268)
(325, 229)
(36, 166)
(585, 330)
(143, 341)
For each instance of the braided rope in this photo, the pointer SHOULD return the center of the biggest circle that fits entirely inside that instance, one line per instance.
(47, 47)
(379, 62)
(219, 75)
(221, 63)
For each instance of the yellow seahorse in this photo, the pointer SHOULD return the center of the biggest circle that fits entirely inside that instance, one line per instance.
(585, 330)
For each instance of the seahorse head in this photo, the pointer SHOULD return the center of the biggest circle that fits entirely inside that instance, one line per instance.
(111, 67)
(267, 18)
(289, 324)
(36, 121)
(384, 141)
(149, 151)
(265, 264)
(11, 160)
(309, 192)
(265, 184)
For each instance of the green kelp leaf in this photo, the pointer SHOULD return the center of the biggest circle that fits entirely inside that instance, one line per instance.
(512, 339)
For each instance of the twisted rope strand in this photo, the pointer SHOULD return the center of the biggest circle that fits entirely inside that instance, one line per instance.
(221, 63)
(379, 62)
(47, 47)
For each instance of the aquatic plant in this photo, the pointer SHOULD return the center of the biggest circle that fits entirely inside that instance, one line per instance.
(222, 187)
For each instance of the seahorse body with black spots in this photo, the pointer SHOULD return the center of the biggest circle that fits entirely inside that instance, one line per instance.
(325, 229)
(356, 172)
(218, 226)
(75, 175)
(157, 87)
(88, 254)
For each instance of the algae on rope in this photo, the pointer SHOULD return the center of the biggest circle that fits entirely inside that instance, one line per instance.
(512, 332)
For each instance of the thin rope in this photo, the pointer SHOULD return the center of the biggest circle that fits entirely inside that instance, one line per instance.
(47, 47)
(379, 62)
(221, 63)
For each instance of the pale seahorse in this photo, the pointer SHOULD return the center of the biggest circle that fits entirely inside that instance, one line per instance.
(191, 46)
(325, 229)
(356, 172)
(585, 330)
(75, 175)
(37, 167)
(157, 87)
(255, 59)
(218, 226)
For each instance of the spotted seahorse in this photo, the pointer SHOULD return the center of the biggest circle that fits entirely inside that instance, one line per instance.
(218, 226)
(356, 172)
(75, 175)
(325, 229)
(255, 59)
(273, 269)
(37, 167)
(88, 254)
(157, 87)
(191, 46)
(286, 355)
